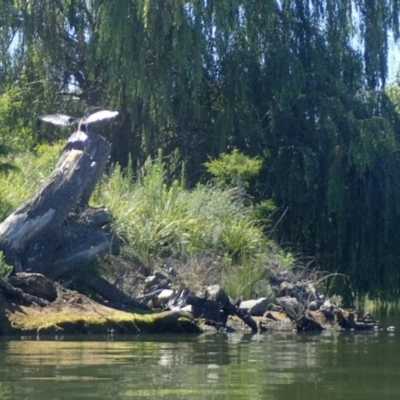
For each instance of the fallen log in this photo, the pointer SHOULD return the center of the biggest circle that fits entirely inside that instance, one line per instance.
(307, 323)
(115, 297)
(347, 320)
(19, 295)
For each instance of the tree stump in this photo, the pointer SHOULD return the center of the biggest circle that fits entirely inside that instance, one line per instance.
(55, 231)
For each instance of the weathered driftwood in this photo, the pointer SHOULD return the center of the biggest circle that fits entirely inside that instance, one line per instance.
(35, 285)
(19, 295)
(55, 231)
(115, 297)
(348, 320)
(307, 323)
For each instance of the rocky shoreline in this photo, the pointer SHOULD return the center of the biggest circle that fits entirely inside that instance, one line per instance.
(32, 304)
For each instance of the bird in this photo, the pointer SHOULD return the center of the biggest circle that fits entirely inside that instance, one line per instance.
(89, 118)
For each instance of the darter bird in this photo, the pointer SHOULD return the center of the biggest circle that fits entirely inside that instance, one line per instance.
(89, 118)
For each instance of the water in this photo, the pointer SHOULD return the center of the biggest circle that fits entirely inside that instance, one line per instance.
(291, 366)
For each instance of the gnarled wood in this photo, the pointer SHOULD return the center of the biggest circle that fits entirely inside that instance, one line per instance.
(19, 295)
(115, 297)
(54, 231)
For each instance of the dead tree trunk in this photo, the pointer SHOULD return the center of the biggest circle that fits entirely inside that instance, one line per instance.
(55, 231)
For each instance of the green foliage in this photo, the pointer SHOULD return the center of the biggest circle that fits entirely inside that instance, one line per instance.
(393, 93)
(5, 269)
(241, 239)
(241, 282)
(32, 169)
(159, 220)
(13, 133)
(8, 136)
(286, 259)
(263, 209)
(228, 169)
(149, 215)
(192, 75)
(296, 84)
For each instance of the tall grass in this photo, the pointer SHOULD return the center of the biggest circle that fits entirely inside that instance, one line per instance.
(149, 215)
(162, 221)
(157, 219)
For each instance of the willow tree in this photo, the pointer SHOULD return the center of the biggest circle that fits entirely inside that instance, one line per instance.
(294, 82)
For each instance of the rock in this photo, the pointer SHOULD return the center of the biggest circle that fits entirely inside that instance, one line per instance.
(156, 281)
(285, 289)
(327, 304)
(290, 305)
(195, 299)
(255, 307)
(165, 295)
(274, 307)
(216, 293)
(188, 308)
(161, 274)
(328, 309)
(178, 299)
(212, 305)
(210, 310)
(151, 280)
(315, 305)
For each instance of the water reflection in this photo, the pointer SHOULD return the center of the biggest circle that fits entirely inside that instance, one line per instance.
(239, 366)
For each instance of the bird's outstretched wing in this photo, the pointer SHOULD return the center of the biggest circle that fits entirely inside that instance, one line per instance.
(58, 119)
(99, 116)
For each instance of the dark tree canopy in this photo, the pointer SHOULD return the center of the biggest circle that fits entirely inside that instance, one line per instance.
(297, 83)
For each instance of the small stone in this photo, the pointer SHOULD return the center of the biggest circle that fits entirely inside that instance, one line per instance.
(165, 295)
(188, 308)
(151, 280)
(313, 305)
(255, 307)
(391, 328)
(216, 293)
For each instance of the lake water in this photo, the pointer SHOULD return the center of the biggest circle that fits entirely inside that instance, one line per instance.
(327, 366)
